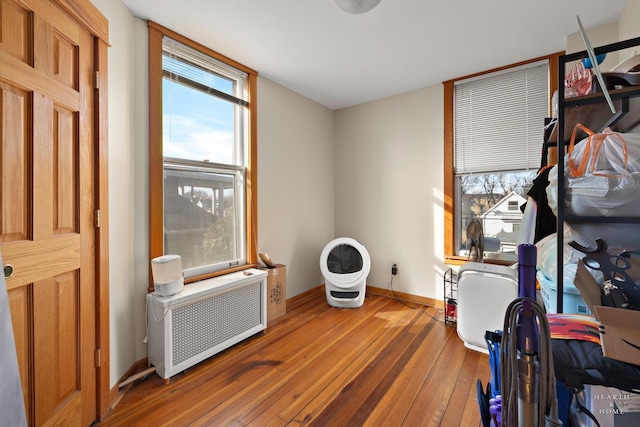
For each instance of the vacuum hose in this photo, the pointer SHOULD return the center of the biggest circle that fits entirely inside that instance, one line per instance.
(528, 382)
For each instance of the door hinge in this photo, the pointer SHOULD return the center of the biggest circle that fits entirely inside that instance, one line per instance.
(98, 361)
(96, 84)
(96, 218)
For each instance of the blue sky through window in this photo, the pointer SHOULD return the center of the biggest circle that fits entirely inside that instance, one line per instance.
(196, 126)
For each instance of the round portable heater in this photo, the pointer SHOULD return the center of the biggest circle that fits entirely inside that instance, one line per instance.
(345, 265)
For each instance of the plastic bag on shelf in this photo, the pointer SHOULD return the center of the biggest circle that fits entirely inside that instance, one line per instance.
(602, 175)
(602, 154)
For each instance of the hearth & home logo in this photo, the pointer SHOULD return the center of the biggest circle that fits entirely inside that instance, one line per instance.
(613, 407)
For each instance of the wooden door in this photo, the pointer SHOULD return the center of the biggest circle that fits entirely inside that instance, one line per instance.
(47, 207)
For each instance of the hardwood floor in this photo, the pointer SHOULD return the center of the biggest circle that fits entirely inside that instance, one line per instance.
(382, 364)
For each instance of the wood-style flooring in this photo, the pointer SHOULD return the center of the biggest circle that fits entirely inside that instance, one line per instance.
(383, 364)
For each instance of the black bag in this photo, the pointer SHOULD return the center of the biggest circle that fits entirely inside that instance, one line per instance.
(577, 363)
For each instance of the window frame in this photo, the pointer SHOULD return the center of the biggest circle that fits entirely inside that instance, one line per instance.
(156, 159)
(450, 256)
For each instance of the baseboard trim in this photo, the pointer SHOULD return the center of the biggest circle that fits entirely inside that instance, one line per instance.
(438, 303)
(406, 297)
(116, 393)
(306, 294)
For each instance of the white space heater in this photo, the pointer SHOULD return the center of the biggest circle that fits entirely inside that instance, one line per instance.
(205, 318)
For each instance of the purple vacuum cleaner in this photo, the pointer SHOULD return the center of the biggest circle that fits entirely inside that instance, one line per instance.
(527, 379)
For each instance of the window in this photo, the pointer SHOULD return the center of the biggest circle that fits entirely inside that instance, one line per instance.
(493, 144)
(202, 201)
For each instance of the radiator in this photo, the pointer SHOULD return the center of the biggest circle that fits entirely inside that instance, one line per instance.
(205, 318)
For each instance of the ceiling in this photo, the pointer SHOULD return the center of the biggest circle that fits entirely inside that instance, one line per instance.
(339, 59)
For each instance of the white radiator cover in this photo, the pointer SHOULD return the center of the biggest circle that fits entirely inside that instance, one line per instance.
(205, 318)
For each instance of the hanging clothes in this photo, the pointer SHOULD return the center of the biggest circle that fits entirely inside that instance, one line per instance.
(546, 221)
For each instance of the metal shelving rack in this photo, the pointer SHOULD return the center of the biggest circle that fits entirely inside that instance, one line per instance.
(592, 111)
(450, 284)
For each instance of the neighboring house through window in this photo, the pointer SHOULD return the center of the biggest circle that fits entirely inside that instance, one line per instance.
(201, 155)
(494, 125)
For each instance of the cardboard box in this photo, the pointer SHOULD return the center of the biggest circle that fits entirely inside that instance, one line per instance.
(276, 291)
(619, 327)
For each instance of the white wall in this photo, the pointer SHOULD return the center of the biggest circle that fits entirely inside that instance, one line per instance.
(389, 187)
(140, 187)
(121, 187)
(598, 36)
(296, 176)
(629, 27)
(295, 173)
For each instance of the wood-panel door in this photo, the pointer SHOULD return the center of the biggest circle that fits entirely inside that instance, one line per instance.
(47, 228)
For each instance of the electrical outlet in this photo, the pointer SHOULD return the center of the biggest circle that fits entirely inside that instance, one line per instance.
(394, 269)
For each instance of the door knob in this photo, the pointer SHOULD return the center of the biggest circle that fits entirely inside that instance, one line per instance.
(8, 270)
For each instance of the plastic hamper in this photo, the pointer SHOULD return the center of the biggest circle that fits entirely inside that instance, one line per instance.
(573, 302)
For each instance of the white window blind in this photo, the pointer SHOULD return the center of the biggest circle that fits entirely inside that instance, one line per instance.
(199, 70)
(499, 120)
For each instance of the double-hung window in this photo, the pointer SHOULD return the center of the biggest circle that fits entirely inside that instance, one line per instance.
(493, 147)
(202, 157)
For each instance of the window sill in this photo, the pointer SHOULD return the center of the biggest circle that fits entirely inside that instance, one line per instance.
(460, 260)
(219, 273)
